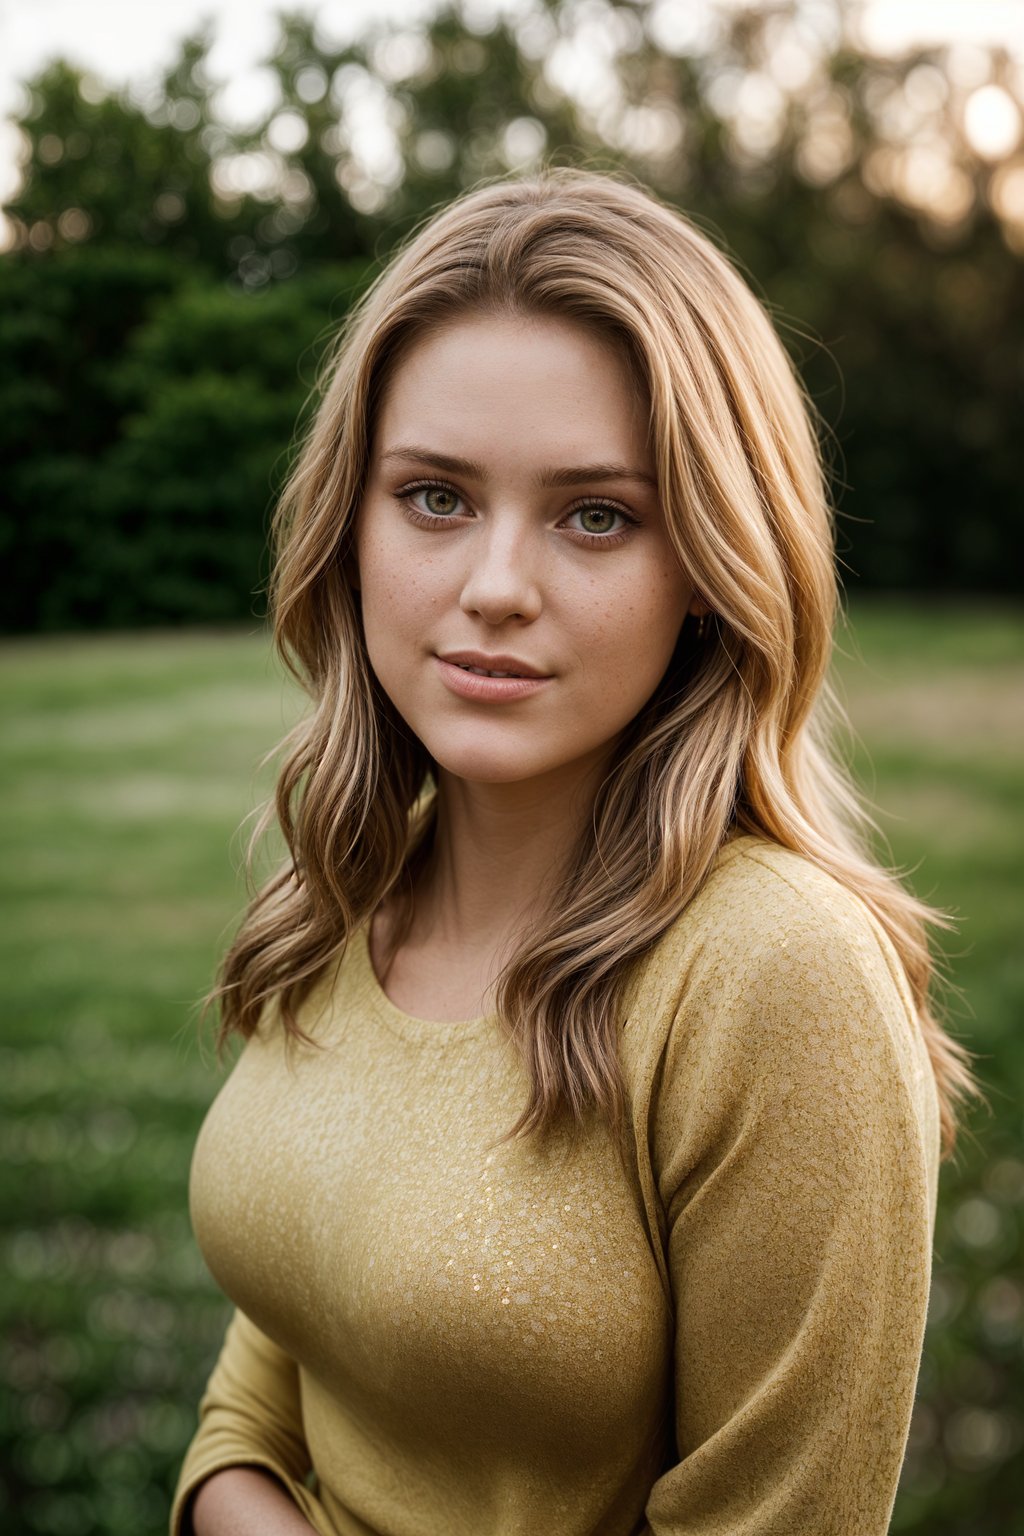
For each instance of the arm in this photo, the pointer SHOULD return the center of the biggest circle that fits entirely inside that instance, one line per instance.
(250, 1417)
(246, 1501)
(794, 1134)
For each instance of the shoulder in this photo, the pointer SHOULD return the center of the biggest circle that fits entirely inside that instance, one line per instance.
(770, 948)
(762, 901)
(759, 882)
(762, 908)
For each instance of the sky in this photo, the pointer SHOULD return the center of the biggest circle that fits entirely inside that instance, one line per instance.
(128, 41)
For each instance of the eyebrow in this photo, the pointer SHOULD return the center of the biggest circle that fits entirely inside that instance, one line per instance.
(578, 474)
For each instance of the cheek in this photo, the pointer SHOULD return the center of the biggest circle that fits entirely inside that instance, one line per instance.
(670, 595)
(625, 636)
(402, 595)
(380, 583)
(389, 579)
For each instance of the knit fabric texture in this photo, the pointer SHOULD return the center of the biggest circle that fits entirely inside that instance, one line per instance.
(435, 1335)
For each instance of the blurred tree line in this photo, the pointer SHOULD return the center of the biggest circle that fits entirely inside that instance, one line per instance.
(171, 282)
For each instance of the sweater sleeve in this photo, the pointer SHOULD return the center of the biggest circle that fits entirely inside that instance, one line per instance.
(795, 1149)
(249, 1415)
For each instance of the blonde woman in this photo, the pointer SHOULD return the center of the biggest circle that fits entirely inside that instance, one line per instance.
(578, 1173)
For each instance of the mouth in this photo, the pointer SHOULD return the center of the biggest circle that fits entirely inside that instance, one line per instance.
(468, 679)
(481, 665)
(464, 666)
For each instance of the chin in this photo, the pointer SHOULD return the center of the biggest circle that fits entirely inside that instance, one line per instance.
(482, 757)
(488, 768)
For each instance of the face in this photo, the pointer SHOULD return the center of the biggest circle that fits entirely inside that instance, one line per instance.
(511, 524)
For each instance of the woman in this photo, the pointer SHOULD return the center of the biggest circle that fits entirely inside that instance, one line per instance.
(579, 1171)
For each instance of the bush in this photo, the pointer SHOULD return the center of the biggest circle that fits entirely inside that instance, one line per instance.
(147, 419)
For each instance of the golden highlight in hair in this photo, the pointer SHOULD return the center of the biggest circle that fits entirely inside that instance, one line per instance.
(737, 737)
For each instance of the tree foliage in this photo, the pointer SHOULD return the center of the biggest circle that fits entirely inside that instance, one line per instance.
(151, 419)
(151, 242)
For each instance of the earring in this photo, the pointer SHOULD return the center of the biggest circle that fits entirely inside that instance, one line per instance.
(701, 626)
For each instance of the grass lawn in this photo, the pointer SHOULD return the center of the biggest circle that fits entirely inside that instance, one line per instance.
(127, 764)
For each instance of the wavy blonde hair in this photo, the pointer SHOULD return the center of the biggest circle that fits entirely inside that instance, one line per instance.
(735, 738)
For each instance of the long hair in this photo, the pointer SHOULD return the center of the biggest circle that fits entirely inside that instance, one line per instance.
(735, 739)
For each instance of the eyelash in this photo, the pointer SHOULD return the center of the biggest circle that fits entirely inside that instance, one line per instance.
(430, 520)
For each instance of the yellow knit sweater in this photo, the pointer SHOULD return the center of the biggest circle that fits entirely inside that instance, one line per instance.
(436, 1336)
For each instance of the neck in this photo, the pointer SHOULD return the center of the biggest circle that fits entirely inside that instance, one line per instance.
(498, 851)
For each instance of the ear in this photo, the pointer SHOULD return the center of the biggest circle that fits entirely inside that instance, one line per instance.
(698, 607)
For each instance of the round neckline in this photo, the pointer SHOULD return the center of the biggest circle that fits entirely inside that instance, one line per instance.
(437, 1031)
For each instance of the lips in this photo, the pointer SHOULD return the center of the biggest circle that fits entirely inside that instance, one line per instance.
(491, 666)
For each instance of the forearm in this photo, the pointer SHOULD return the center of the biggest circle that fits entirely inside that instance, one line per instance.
(246, 1501)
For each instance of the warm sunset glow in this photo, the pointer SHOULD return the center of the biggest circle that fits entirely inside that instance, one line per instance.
(1006, 195)
(992, 122)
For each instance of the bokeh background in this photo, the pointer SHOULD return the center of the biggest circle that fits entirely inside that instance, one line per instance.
(180, 239)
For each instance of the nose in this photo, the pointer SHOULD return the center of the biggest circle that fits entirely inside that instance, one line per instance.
(501, 581)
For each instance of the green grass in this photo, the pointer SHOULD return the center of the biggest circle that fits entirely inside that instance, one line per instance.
(128, 763)
(936, 697)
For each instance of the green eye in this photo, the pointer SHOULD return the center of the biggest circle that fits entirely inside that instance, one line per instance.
(439, 500)
(597, 519)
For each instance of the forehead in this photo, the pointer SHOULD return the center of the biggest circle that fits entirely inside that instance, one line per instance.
(547, 383)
